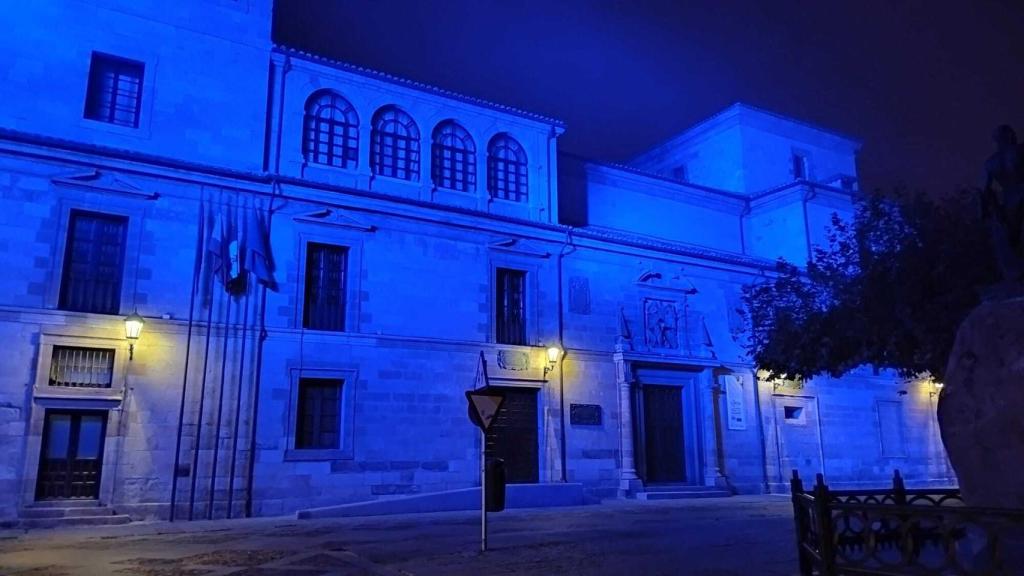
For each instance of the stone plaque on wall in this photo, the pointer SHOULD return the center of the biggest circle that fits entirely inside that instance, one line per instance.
(585, 414)
(513, 360)
(579, 295)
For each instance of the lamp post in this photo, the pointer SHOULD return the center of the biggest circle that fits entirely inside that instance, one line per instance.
(132, 330)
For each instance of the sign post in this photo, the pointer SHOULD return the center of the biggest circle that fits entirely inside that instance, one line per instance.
(484, 403)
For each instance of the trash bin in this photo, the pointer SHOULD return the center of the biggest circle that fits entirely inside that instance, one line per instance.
(495, 485)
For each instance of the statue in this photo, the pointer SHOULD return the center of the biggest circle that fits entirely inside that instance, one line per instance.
(1002, 203)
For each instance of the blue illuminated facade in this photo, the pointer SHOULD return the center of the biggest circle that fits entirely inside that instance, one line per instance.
(388, 232)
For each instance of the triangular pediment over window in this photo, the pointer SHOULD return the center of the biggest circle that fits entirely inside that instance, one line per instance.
(335, 217)
(103, 181)
(520, 247)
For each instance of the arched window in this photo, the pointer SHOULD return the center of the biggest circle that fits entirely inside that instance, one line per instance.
(331, 136)
(395, 150)
(506, 169)
(453, 157)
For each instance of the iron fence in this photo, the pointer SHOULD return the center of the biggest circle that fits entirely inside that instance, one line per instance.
(901, 531)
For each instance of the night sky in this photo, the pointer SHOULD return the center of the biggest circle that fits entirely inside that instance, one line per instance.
(922, 83)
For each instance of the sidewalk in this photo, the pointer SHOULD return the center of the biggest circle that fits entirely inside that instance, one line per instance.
(722, 537)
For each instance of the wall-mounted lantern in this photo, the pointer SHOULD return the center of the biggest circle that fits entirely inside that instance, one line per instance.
(132, 330)
(554, 353)
(936, 388)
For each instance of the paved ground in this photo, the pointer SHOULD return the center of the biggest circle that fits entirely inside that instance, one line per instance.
(741, 535)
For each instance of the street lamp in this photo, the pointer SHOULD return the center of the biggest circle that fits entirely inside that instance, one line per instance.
(553, 353)
(132, 330)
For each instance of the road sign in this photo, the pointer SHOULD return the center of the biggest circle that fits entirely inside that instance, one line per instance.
(483, 406)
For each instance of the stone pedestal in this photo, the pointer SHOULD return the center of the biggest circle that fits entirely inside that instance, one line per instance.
(981, 407)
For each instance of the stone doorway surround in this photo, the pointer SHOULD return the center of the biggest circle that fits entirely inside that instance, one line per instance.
(701, 438)
(46, 397)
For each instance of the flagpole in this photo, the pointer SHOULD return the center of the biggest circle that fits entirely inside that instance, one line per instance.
(196, 267)
(257, 373)
(220, 406)
(238, 402)
(202, 400)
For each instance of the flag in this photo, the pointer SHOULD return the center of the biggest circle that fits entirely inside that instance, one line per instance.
(216, 249)
(224, 252)
(258, 259)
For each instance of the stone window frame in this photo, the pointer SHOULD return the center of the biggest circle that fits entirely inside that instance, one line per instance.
(122, 48)
(41, 387)
(336, 236)
(532, 268)
(346, 441)
(112, 205)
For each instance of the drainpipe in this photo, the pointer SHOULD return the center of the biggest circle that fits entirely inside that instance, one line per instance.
(567, 248)
(743, 235)
(261, 340)
(807, 196)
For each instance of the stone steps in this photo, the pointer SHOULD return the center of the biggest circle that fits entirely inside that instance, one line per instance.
(110, 520)
(59, 513)
(681, 492)
(77, 503)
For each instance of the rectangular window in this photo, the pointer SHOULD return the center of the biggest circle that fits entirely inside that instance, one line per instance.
(93, 263)
(76, 367)
(511, 306)
(324, 306)
(114, 93)
(319, 422)
(799, 167)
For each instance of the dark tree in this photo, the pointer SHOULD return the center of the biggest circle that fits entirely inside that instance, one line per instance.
(889, 290)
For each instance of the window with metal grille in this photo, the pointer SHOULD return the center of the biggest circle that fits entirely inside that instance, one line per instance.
(114, 93)
(324, 306)
(75, 367)
(395, 144)
(318, 425)
(453, 157)
(511, 306)
(506, 169)
(331, 134)
(93, 263)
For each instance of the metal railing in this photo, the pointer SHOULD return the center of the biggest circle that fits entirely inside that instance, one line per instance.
(902, 531)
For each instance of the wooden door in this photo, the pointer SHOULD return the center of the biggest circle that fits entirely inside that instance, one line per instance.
(513, 435)
(72, 455)
(663, 434)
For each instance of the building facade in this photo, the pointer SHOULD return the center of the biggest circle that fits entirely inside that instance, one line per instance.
(323, 254)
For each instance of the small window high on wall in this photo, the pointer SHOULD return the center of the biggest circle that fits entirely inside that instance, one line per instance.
(506, 169)
(800, 167)
(114, 92)
(331, 134)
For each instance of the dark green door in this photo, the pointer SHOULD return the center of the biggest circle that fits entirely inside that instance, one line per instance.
(663, 433)
(72, 455)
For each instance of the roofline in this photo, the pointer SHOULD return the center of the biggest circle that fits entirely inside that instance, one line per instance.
(732, 111)
(378, 75)
(655, 176)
